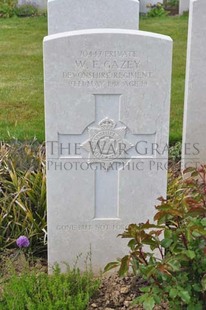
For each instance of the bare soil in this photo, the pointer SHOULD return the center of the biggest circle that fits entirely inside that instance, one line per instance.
(117, 293)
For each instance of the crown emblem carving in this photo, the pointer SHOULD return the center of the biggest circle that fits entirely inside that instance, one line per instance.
(107, 123)
(107, 143)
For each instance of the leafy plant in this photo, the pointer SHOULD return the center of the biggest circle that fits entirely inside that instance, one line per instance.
(26, 10)
(172, 3)
(23, 195)
(175, 151)
(156, 10)
(39, 291)
(171, 253)
(7, 8)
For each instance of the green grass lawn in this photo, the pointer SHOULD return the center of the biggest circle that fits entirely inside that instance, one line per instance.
(21, 74)
(21, 78)
(176, 28)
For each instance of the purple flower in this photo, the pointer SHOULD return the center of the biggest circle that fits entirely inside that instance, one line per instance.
(22, 242)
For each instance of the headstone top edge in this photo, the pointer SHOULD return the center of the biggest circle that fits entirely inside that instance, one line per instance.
(137, 1)
(107, 31)
(96, 14)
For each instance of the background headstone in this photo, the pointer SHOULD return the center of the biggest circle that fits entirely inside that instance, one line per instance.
(68, 15)
(194, 142)
(143, 5)
(104, 89)
(42, 4)
(183, 6)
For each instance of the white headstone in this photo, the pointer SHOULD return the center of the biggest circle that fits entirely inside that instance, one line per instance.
(42, 4)
(183, 6)
(68, 15)
(194, 142)
(107, 96)
(144, 5)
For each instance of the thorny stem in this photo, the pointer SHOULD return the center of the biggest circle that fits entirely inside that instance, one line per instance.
(184, 240)
(146, 263)
(161, 253)
(142, 256)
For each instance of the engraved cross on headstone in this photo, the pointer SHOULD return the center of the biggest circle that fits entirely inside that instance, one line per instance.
(108, 143)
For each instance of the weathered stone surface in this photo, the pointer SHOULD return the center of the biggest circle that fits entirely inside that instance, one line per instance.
(107, 97)
(68, 15)
(194, 142)
(183, 6)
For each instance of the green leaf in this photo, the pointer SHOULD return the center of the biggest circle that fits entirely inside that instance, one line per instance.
(168, 234)
(191, 254)
(194, 174)
(165, 243)
(149, 303)
(111, 266)
(132, 244)
(145, 289)
(196, 306)
(139, 300)
(173, 292)
(197, 287)
(149, 241)
(203, 282)
(175, 264)
(184, 295)
(203, 222)
(189, 169)
(157, 299)
(124, 267)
